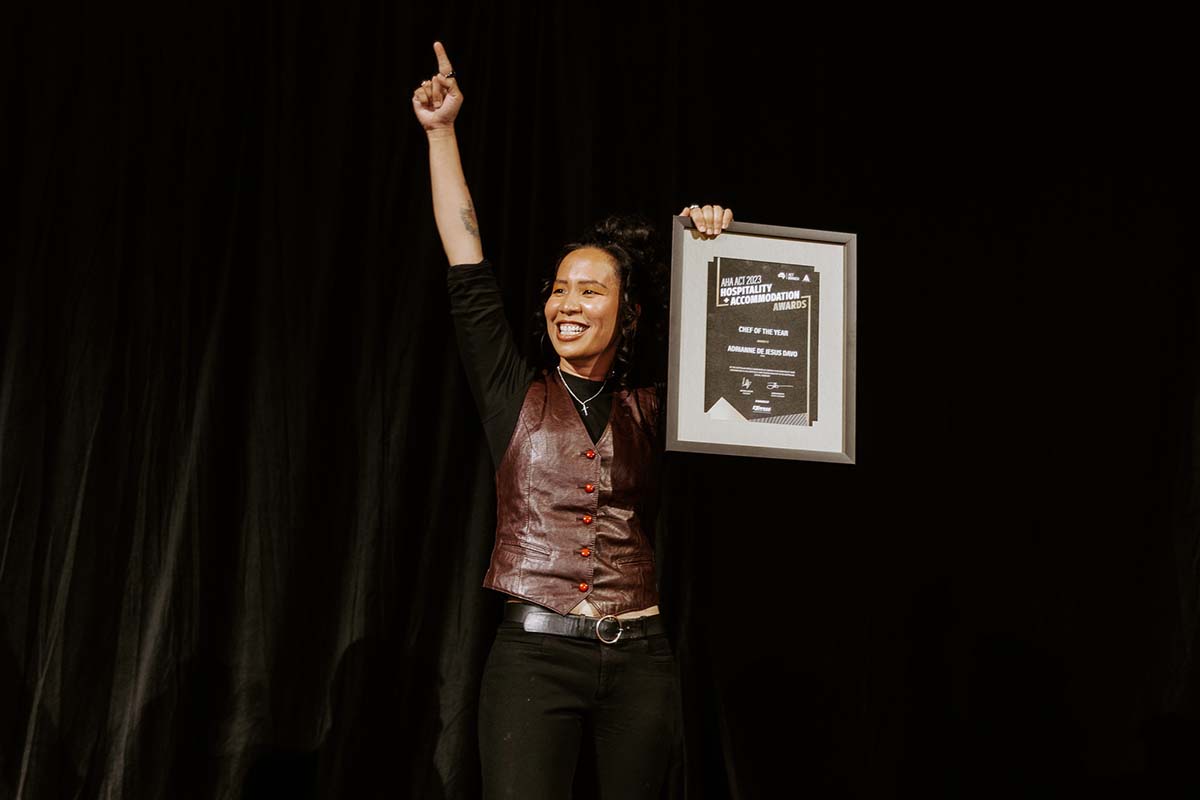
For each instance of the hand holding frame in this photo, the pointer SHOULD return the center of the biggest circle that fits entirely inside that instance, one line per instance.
(709, 219)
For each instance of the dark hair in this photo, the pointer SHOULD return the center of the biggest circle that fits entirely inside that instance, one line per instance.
(632, 243)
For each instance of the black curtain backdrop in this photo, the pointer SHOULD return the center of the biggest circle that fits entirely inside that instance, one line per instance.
(245, 500)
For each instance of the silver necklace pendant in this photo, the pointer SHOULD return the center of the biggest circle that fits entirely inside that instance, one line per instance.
(582, 403)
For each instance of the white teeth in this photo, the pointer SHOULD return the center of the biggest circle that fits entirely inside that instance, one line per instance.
(570, 329)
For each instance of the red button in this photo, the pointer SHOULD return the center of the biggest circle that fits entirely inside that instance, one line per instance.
(583, 587)
(589, 487)
(590, 453)
(587, 519)
(585, 552)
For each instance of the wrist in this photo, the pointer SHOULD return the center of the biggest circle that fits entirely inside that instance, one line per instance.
(434, 134)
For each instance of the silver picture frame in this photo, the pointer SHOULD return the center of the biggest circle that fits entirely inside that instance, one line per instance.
(762, 342)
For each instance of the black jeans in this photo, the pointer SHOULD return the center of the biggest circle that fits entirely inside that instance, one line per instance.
(546, 697)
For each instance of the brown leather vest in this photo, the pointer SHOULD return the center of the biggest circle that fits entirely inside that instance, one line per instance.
(576, 519)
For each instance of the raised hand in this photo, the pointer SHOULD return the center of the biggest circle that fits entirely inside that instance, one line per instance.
(710, 220)
(436, 101)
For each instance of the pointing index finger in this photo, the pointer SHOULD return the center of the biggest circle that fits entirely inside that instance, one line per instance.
(443, 60)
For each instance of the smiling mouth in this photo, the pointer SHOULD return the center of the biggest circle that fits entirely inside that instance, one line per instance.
(568, 331)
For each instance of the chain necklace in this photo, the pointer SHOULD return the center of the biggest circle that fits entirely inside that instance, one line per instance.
(582, 403)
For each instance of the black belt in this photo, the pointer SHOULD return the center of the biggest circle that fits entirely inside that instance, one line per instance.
(607, 629)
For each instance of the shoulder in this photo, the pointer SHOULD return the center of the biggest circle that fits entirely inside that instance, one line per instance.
(644, 403)
(538, 388)
(540, 380)
(650, 393)
(647, 396)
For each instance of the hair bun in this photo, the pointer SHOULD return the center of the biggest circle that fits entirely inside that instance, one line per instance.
(632, 232)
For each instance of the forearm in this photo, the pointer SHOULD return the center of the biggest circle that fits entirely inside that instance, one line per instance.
(452, 207)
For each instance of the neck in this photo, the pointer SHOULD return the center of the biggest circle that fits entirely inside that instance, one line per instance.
(590, 370)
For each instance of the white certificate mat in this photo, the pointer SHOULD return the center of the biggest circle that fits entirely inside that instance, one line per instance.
(762, 342)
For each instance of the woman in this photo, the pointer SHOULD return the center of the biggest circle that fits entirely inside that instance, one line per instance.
(582, 658)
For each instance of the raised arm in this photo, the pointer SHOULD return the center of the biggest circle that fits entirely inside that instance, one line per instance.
(436, 103)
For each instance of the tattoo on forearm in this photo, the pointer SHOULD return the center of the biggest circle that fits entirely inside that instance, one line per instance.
(469, 221)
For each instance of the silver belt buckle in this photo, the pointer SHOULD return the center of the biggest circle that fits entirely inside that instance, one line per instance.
(620, 629)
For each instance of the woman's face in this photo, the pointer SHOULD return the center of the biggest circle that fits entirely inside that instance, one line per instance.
(582, 313)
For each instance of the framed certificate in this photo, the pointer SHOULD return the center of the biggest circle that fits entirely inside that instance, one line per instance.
(762, 342)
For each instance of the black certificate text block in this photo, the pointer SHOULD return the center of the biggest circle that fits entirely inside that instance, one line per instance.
(761, 343)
